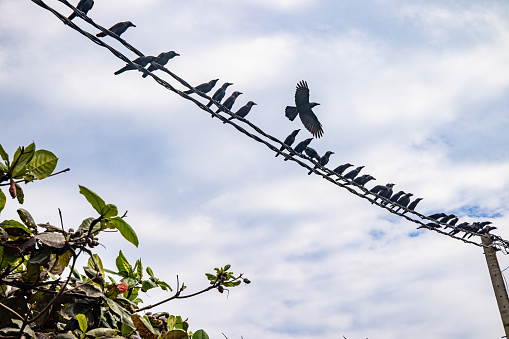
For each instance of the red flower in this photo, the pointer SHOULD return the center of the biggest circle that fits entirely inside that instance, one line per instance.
(122, 287)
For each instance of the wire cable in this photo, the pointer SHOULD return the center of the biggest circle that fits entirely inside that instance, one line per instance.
(268, 140)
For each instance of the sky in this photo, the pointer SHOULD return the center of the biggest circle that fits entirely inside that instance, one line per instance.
(416, 91)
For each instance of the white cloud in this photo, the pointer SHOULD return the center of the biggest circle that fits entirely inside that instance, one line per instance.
(199, 194)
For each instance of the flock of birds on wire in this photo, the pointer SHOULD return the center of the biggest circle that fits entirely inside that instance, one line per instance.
(303, 108)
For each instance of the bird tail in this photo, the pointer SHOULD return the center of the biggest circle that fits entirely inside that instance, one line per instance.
(122, 70)
(291, 112)
(100, 35)
(72, 16)
(188, 92)
(210, 104)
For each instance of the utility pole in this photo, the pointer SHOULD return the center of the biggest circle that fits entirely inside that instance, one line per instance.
(498, 283)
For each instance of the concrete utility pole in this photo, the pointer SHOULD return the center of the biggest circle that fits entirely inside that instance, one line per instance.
(498, 283)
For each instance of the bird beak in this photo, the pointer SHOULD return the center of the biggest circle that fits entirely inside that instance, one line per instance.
(133, 24)
(176, 54)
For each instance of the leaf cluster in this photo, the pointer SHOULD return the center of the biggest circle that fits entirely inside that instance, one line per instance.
(42, 293)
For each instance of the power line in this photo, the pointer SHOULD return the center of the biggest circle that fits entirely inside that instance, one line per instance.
(260, 136)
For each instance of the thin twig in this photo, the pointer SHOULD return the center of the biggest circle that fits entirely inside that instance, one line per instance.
(10, 309)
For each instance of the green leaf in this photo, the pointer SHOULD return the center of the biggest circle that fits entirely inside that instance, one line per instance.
(15, 228)
(102, 332)
(26, 218)
(164, 286)
(62, 262)
(175, 334)
(183, 325)
(125, 229)
(43, 164)
(99, 262)
(172, 320)
(123, 266)
(109, 211)
(3, 200)
(22, 157)
(91, 291)
(138, 267)
(143, 326)
(19, 194)
(94, 200)
(52, 239)
(82, 321)
(150, 272)
(147, 285)
(4, 155)
(85, 224)
(200, 334)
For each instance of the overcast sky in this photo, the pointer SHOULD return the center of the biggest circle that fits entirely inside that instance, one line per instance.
(417, 91)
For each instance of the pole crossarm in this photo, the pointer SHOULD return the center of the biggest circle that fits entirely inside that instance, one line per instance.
(495, 242)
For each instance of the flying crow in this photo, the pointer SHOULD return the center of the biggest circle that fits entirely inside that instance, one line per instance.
(303, 109)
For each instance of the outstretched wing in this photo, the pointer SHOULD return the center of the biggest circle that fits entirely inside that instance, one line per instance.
(310, 121)
(302, 94)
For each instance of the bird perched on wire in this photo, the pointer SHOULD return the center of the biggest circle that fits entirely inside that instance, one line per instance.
(118, 29)
(437, 215)
(289, 140)
(474, 228)
(142, 61)
(323, 160)
(403, 201)
(396, 196)
(459, 228)
(340, 169)
(243, 111)
(453, 221)
(363, 179)
(301, 146)
(486, 230)
(412, 205)
(219, 94)
(84, 6)
(204, 88)
(381, 189)
(377, 189)
(447, 218)
(228, 103)
(312, 153)
(162, 59)
(303, 109)
(387, 194)
(430, 225)
(353, 173)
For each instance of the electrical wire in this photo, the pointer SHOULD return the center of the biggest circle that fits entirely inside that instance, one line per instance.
(268, 140)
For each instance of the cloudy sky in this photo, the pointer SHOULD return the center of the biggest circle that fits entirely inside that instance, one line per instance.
(417, 91)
